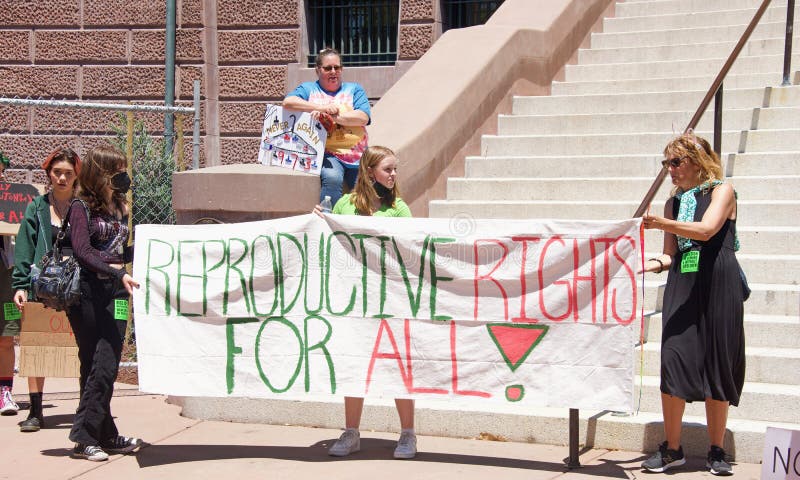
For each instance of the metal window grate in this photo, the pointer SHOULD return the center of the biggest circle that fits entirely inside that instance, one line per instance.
(363, 31)
(467, 13)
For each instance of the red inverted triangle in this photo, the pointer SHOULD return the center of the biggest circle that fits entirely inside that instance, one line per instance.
(515, 342)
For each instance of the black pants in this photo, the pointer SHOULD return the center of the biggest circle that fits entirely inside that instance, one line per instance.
(99, 337)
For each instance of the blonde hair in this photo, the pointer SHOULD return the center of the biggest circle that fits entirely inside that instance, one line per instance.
(364, 195)
(699, 152)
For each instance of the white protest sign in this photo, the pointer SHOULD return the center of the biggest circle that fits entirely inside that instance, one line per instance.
(291, 139)
(781, 460)
(522, 312)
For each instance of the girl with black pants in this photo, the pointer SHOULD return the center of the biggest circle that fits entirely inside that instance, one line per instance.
(99, 235)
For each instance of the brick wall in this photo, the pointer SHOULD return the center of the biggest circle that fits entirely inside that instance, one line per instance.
(113, 50)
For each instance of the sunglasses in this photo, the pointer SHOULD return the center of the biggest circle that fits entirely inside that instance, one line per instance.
(328, 68)
(672, 162)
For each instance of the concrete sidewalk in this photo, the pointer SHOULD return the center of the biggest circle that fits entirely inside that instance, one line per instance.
(183, 448)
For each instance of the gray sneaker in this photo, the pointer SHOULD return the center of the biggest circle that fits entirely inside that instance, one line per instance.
(406, 446)
(716, 463)
(349, 442)
(93, 453)
(664, 459)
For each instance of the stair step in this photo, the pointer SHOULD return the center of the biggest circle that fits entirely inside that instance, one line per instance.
(765, 299)
(779, 331)
(712, 32)
(753, 240)
(758, 213)
(592, 87)
(690, 19)
(661, 7)
(753, 163)
(619, 188)
(658, 69)
(634, 122)
(694, 51)
(636, 102)
(764, 364)
(605, 144)
(759, 401)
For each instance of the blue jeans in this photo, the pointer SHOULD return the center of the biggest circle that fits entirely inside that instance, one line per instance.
(333, 174)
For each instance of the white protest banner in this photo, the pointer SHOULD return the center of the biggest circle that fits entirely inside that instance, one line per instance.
(781, 460)
(525, 312)
(291, 139)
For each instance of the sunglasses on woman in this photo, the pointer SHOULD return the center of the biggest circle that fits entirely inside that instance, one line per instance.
(328, 68)
(673, 162)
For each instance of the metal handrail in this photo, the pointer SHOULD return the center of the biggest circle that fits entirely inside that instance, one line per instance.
(716, 88)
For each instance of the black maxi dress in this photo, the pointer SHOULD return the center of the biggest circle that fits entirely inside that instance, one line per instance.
(702, 343)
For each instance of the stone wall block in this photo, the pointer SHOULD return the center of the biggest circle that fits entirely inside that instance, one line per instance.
(252, 82)
(14, 175)
(14, 46)
(27, 151)
(234, 150)
(258, 46)
(241, 118)
(190, 13)
(36, 82)
(90, 46)
(416, 10)
(188, 74)
(232, 13)
(123, 82)
(14, 119)
(124, 13)
(150, 45)
(73, 120)
(415, 40)
(40, 12)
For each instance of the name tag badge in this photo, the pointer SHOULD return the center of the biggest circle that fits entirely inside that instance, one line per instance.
(690, 262)
(11, 312)
(120, 309)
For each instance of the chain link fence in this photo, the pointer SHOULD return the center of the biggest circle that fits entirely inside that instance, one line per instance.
(31, 128)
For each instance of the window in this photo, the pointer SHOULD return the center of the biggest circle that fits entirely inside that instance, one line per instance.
(363, 31)
(467, 13)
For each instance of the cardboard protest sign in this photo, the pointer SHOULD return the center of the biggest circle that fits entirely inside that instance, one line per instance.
(47, 344)
(526, 313)
(14, 198)
(781, 460)
(292, 140)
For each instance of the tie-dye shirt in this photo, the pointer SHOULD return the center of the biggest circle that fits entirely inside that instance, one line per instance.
(346, 143)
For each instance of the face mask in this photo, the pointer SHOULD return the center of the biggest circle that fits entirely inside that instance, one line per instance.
(381, 190)
(121, 182)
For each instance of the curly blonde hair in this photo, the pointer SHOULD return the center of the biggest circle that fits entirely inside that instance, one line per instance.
(699, 152)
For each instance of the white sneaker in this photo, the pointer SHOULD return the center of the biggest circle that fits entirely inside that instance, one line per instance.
(406, 446)
(93, 453)
(7, 404)
(349, 442)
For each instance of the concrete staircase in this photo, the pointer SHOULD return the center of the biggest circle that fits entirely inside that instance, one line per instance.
(591, 150)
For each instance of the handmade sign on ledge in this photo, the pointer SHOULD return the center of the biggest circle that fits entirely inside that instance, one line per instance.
(292, 140)
(522, 312)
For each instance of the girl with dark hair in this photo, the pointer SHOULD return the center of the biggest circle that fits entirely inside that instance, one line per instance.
(99, 235)
(37, 232)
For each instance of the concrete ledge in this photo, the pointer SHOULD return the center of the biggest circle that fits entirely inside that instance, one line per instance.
(242, 193)
(641, 432)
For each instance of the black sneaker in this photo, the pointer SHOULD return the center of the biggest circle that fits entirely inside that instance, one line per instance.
(664, 458)
(93, 453)
(122, 445)
(716, 462)
(32, 424)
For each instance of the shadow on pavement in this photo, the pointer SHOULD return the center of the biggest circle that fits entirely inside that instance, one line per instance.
(371, 449)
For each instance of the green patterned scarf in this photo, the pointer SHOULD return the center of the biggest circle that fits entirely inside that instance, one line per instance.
(687, 208)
